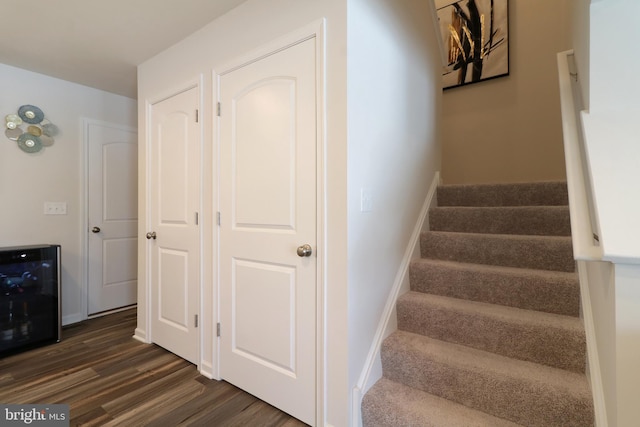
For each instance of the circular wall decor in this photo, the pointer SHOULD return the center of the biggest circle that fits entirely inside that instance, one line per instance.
(13, 121)
(13, 134)
(29, 143)
(31, 114)
(39, 131)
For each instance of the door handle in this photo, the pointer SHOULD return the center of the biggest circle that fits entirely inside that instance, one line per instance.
(95, 230)
(151, 235)
(304, 251)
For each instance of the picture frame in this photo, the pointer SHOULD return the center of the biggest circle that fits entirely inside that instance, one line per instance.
(475, 34)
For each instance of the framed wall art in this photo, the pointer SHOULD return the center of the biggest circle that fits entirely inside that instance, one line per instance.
(476, 40)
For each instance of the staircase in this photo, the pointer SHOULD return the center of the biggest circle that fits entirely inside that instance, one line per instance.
(490, 333)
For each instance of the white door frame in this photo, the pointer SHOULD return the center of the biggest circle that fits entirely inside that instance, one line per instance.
(315, 30)
(86, 122)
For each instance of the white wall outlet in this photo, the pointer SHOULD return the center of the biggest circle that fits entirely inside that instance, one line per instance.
(55, 208)
(366, 200)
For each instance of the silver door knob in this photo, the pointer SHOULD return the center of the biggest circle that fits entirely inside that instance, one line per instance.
(304, 250)
(95, 230)
(151, 235)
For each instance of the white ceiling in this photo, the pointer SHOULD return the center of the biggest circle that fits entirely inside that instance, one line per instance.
(98, 43)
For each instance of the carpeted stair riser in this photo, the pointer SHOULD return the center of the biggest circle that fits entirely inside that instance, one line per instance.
(525, 194)
(537, 252)
(549, 339)
(523, 392)
(490, 333)
(530, 220)
(391, 404)
(547, 291)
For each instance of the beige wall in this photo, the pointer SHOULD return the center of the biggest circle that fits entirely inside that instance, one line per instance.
(579, 12)
(509, 129)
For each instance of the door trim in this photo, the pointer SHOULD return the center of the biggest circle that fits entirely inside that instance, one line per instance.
(316, 30)
(143, 331)
(86, 123)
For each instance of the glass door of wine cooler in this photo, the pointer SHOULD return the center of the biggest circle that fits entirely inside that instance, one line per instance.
(29, 297)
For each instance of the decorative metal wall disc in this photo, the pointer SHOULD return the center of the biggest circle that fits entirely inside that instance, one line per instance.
(49, 129)
(34, 130)
(31, 114)
(13, 121)
(29, 143)
(13, 134)
(46, 141)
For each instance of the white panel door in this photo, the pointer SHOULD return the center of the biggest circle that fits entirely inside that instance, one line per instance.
(268, 210)
(173, 236)
(112, 189)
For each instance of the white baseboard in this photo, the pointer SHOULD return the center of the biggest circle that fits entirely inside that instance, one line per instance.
(206, 370)
(108, 312)
(593, 360)
(372, 370)
(141, 336)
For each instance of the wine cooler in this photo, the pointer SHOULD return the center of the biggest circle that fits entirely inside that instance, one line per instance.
(29, 297)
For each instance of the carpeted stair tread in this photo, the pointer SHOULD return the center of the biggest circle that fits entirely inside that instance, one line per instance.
(391, 404)
(544, 338)
(542, 290)
(523, 392)
(535, 252)
(530, 220)
(492, 319)
(551, 193)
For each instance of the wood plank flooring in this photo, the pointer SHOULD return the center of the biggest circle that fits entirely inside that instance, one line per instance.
(110, 379)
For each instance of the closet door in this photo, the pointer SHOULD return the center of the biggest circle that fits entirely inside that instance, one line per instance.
(268, 197)
(174, 235)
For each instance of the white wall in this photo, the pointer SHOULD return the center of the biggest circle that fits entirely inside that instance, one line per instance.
(611, 130)
(394, 101)
(243, 30)
(392, 150)
(55, 174)
(613, 74)
(610, 95)
(611, 136)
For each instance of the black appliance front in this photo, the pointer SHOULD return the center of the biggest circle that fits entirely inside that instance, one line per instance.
(29, 297)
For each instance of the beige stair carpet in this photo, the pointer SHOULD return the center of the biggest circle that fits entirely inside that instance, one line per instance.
(490, 333)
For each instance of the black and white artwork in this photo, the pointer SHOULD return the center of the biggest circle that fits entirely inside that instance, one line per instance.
(476, 40)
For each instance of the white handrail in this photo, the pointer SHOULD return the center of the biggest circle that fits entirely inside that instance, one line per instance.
(584, 220)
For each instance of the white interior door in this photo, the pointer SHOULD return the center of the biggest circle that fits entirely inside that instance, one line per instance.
(174, 237)
(112, 215)
(268, 210)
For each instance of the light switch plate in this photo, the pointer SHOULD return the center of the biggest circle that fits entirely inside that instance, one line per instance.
(55, 208)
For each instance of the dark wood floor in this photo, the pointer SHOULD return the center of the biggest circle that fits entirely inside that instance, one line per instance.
(110, 379)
